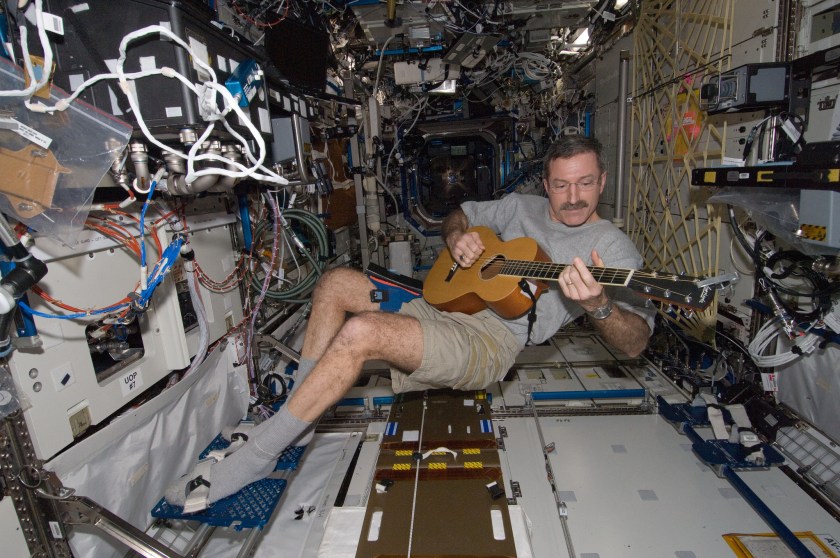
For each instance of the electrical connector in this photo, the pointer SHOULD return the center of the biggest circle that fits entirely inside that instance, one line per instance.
(495, 490)
(245, 81)
(383, 485)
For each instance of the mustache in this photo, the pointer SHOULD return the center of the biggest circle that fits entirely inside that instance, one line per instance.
(580, 204)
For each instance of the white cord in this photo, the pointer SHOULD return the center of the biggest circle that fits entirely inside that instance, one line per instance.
(35, 84)
(768, 334)
(379, 66)
(207, 93)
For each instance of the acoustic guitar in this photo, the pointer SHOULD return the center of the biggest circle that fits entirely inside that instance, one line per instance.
(494, 280)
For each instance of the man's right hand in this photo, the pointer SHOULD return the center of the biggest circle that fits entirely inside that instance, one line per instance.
(465, 247)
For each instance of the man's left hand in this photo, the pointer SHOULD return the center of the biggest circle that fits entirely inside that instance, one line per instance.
(578, 284)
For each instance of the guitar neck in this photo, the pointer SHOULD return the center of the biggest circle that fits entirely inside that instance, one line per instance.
(549, 270)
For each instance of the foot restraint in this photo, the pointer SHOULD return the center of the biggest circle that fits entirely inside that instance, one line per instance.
(197, 490)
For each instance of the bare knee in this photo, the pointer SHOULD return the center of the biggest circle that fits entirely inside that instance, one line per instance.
(361, 329)
(332, 278)
(394, 338)
(343, 287)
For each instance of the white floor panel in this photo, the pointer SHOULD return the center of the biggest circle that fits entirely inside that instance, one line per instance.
(523, 463)
(634, 488)
(315, 484)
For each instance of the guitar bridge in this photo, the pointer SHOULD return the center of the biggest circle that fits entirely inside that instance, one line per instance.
(451, 273)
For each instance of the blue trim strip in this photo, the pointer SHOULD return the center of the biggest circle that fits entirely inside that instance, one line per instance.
(351, 402)
(360, 401)
(412, 50)
(587, 394)
(486, 426)
(391, 429)
(766, 514)
(245, 217)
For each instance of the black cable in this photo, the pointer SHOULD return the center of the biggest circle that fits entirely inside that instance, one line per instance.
(821, 291)
(267, 388)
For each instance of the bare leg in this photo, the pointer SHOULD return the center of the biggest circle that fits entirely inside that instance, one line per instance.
(340, 291)
(393, 338)
(368, 335)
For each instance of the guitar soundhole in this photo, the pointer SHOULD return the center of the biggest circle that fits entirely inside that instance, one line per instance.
(493, 267)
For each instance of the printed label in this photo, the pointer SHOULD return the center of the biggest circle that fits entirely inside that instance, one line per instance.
(30, 134)
(768, 381)
(131, 383)
(53, 23)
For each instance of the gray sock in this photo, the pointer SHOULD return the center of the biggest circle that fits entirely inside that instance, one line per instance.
(305, 366)
(252, 462)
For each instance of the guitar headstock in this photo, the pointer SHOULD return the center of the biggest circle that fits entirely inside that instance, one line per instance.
(688, 292)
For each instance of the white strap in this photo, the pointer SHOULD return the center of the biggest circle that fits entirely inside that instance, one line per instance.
(716, 419)
(714, 412)
(739, 415)
(441, 450)
(197, 490)
(742, 433)
(237, 438)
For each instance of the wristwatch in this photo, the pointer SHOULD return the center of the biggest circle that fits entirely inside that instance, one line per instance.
(602, 312)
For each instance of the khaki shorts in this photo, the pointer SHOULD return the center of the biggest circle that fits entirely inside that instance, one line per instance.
(459, 351)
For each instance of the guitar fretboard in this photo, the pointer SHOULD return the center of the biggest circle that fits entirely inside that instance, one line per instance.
(550, 270)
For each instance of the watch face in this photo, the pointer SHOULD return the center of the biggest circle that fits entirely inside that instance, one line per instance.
(602, 312)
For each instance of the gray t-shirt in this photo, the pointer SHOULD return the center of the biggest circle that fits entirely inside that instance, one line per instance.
(518, 215)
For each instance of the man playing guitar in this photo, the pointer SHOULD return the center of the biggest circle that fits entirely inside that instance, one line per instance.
(430, 348)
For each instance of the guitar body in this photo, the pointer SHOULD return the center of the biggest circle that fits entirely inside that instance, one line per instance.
(470, 290)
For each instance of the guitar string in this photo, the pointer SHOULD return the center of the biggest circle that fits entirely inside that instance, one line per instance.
(552, 268)
(549, 265)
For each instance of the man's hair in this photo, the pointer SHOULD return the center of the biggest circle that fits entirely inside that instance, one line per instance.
(569, 146)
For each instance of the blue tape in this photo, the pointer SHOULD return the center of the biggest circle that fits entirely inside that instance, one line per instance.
(392, 296)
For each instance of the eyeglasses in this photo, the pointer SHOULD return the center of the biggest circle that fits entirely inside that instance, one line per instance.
(586, 184)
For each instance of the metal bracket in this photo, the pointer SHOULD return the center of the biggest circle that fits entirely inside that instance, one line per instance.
(78, 510)
(720, 281)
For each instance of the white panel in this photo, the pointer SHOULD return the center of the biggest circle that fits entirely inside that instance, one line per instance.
(810, 385)
(435, 70)
(817, 29)
(14, 543)
(58, 380)
(126, 466)
(822, 110)
(90, 279)
(751, 45)
(633, 488)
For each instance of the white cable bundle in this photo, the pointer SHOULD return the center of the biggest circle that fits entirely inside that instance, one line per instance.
(207, 92)
(535, 66)
(35, 84)
(767, 334)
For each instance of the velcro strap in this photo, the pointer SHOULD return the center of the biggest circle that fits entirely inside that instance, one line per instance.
(196, 482)
(197, 490)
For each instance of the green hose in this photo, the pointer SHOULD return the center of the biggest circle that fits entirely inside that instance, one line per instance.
(316, 233)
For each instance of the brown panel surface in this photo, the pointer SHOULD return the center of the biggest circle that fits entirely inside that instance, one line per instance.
(452, 513)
